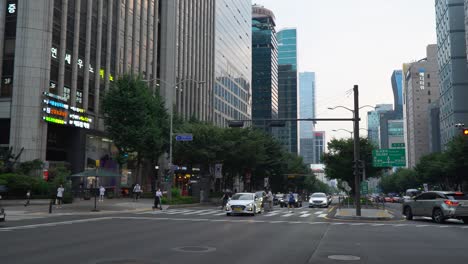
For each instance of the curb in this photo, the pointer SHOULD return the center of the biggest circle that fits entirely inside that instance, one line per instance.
(383, 218)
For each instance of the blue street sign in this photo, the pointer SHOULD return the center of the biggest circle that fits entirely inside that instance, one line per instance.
(184, 137)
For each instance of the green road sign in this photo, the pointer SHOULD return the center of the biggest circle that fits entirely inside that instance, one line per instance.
(398, 145)
(388, 158)
(364, 188)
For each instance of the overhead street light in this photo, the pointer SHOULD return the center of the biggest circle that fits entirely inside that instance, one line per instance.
(173, 86)
(349, 109)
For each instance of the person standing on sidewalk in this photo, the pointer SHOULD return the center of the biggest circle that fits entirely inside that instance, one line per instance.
(158, 199)
(28, 198)
(60, 191)
(102, 192)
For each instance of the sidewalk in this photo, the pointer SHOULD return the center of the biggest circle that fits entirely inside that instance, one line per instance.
(366, 214)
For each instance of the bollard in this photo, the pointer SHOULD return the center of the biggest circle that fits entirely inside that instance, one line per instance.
(50, 207)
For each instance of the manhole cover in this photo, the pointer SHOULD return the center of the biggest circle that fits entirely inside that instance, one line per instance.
(126, 261)
(344, 257)
(194, 249)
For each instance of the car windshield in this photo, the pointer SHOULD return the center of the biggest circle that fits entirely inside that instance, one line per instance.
(318, 195)
(242, 196)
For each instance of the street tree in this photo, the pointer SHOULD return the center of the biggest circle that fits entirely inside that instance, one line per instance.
(136, 120)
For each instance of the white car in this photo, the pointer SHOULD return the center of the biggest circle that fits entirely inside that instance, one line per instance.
(318, 200)
(243, 203)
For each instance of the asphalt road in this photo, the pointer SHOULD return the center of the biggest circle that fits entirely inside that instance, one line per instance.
(205, 235)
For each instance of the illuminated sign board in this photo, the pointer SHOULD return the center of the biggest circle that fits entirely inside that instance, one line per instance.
(57, 111)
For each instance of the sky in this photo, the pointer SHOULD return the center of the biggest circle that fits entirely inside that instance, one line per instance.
(348, 42)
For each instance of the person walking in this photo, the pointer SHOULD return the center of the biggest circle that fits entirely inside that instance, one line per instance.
(28, 198)
(137, 191)
(270, 200)
(158, 199)
(60, 191)
(291, 202)
(225, 199)
(102, 192)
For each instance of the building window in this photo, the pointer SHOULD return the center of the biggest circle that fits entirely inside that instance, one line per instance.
(428, 76)
(428, 84)
(79, 97)
(428, 92)
(66, 92)
(429, 100)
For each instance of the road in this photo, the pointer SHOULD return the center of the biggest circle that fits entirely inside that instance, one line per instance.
(206, 235)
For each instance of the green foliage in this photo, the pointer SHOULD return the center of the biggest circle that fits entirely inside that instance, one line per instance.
(312, 185)
(136, 120)
(175, 192)
(25, 168)
(179, 200)
(18, 185)
(339, 160)
(400, 181)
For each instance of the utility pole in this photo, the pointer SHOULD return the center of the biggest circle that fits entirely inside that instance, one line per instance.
(357, 195)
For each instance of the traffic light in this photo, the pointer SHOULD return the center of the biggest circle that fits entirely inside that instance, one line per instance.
(465, 131)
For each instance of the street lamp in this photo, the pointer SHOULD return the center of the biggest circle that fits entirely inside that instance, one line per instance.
(171, 110)
(349, 131)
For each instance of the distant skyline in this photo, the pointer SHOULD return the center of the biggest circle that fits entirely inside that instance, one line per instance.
(355, 42)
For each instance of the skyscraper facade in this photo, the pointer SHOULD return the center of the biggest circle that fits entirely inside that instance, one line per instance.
(306, 110)
(319, 146)
(187, 57)
(287, 88)
(453, 72)
(373, 122)
(397, 86)
(233, 61)
(59, 57)
(264, 66)
(421, 90)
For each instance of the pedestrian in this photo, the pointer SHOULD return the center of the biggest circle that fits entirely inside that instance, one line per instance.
(225, 199)
(137, 191)
(270, 200)
(28, 197)
(60, 191)
(291, 202)
(158, 199)
(102, 191)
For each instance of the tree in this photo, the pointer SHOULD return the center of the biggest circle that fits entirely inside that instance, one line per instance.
(136, 120)
(400, 181)
(339, 160)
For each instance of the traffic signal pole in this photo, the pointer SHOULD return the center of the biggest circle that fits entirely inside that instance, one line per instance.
(357, 190)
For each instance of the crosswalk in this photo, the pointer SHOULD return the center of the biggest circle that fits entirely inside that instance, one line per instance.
(217, 212)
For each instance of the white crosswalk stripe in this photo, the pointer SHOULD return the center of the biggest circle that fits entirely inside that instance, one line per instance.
(209, 212)
(272, 213)
(322, 215)
(304, 215)
(196, 212)
(287, 215)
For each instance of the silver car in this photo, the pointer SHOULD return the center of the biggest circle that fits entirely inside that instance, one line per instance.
(244, 203)
(319, 200)
(438, 205)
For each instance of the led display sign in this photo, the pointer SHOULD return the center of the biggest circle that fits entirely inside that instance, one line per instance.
(57, 111)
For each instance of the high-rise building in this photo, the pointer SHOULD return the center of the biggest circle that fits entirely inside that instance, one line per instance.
(306, 110)
(287, 88)
(397, 83)
(60, 56)
(421, 90)
(434, 127)
(233, 61)
(373, 122)
(187, 56)
(390, 130)
(264, 66)
(453, 72)
(319, 146)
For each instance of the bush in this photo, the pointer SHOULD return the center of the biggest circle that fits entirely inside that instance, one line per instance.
(175, 192)
(179, 200)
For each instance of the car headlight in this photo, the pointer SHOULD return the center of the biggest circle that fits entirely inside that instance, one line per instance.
(250, 205)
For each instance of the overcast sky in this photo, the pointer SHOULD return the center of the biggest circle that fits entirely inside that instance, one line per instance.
(347, 42)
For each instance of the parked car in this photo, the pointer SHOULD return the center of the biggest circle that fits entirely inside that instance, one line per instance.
(438, 205)
(285, 200)
(396, 199)
(2, 212)
(243, 203)
(388, 199)
(319, 200)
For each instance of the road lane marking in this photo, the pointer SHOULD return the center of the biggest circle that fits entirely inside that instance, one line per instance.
(287, 215)
(422, 225)
(209, 212)
(177, 211)
(223, 213)
(322, 215)
(56, 223)
(319, 212)
(196, 212)
(272, 213)
(304, 215)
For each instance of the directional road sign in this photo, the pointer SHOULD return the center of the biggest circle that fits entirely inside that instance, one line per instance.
(388, 158)
(364, 188)
(184, 137)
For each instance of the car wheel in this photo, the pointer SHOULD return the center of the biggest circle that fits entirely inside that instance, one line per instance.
(465, 220)
(438, 216)
(408, 214)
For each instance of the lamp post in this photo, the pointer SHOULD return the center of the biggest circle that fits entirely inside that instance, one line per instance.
(349, 131)
(172, 87)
